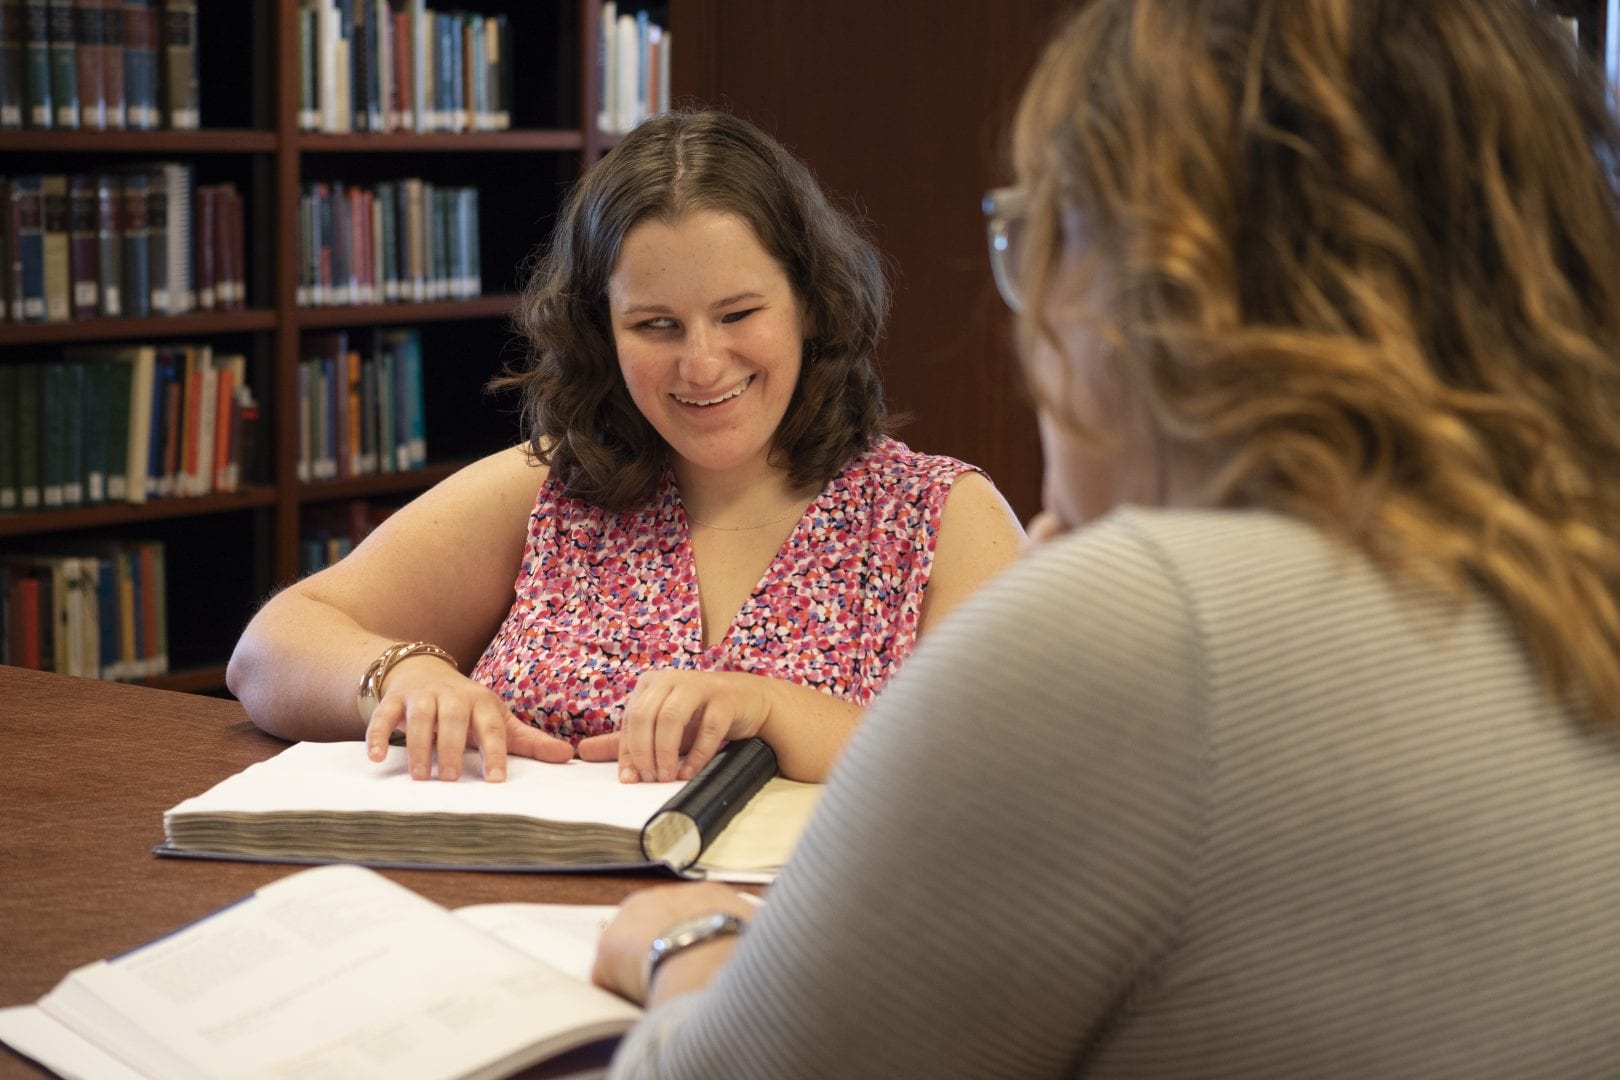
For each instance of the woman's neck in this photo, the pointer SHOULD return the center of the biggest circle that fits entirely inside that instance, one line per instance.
(738, 501)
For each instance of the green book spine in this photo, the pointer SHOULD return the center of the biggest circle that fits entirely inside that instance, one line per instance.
(37, 110)
(30, 495)
(117, 378)
(52, 433)
(95, 428)
(64, 64)
(9, 493)
(72, 440)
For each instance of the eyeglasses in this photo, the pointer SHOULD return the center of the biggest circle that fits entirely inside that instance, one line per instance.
(1004, 210)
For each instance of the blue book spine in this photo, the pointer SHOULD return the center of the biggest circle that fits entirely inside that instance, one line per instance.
(108, 621)
(137, 261)
(28, 226)
(142, 110)
(37, 107)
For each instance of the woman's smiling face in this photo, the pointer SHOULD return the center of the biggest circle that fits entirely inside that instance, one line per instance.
(710, 337)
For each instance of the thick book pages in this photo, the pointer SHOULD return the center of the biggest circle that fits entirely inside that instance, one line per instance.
(326, 802)
(336, 971)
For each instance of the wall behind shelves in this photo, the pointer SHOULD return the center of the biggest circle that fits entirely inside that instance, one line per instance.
(900, 109)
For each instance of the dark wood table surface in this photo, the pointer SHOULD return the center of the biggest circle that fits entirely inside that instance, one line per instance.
(87, 769)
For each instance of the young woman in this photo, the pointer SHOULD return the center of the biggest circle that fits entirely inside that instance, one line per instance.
(1300, 754)
(708, 536)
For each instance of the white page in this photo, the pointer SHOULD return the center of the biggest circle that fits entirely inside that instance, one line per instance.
(32, 1031)
(335, 971)
(563, 935)
(313, 776)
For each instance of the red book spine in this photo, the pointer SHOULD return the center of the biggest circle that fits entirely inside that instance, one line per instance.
(207, 246)
(90, 58)
(25, 622)
(235, 256)
(403, 97)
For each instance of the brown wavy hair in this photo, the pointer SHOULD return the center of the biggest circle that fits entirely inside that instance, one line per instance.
(578, 413)
(1361, 258)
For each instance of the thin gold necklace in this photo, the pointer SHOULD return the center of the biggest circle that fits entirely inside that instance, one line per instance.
(695, 520)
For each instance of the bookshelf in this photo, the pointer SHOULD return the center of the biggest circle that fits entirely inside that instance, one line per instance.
(226, 550)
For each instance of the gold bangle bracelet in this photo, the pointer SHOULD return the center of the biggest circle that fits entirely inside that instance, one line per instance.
(370, 690)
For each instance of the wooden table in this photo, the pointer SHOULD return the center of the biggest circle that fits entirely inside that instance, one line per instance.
(87, 769)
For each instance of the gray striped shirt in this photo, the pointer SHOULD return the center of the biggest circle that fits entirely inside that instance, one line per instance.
(1190, 794)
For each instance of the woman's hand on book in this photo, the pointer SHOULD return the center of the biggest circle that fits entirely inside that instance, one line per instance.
(675, 720)
(623, 949)
(443, 713)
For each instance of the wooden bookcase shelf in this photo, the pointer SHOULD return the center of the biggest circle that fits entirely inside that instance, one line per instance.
(226, 552)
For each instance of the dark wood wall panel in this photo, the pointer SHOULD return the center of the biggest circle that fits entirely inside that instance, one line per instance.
(901, 108)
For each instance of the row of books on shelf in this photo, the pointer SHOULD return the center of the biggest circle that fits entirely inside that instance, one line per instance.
(126, 424)
(133, 243)
(397, 65)
(332, 530)
(361, 410)
(98, 612)
(98, 64)
(633, 68)
(402, 241)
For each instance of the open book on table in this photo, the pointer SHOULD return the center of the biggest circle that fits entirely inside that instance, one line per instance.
(333, 971)
(327, 802)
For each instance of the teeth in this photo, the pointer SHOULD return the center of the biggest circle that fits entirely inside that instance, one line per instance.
(723, 397)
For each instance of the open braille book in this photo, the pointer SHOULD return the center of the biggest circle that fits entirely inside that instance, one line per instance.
(327, 802)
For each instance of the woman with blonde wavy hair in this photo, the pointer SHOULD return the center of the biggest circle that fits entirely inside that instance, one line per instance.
(1295, 750)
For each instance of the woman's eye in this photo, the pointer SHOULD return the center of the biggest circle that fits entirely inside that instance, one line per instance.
(737, 316)
(659, 323)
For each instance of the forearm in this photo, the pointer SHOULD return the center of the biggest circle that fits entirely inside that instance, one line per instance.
(296, 667)
(807, 729)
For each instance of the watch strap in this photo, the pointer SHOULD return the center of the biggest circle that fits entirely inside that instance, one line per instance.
(694, 930)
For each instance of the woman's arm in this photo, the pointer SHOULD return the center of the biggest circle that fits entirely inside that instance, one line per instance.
(441, 569)
(978, 536)
(1005, 849)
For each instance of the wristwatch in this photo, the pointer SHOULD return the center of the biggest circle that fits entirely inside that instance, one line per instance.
(693, 930)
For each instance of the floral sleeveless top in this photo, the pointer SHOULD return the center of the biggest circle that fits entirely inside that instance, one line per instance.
(603, 596)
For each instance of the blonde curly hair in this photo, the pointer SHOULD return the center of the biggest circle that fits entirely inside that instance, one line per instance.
(1361, 258)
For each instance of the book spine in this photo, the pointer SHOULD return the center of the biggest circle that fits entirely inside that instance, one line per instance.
(235, 248)
(607, 56)
(90, 60)
(38, 109)
(207, 204)
(117, 386)
(181, 105)
(13, 101)
(82, 246)
(9, 488)
(140, 66)
(503, 73)
(308, 95)
(109, 245)
(72, 469)
(64, 46)
(58, 271)
(112, 64)
(30, 388)
(404, 80)
(28, 226)
(181, 254)
(137, 282)
(157, 246)
(85, 374)
(52, 433)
